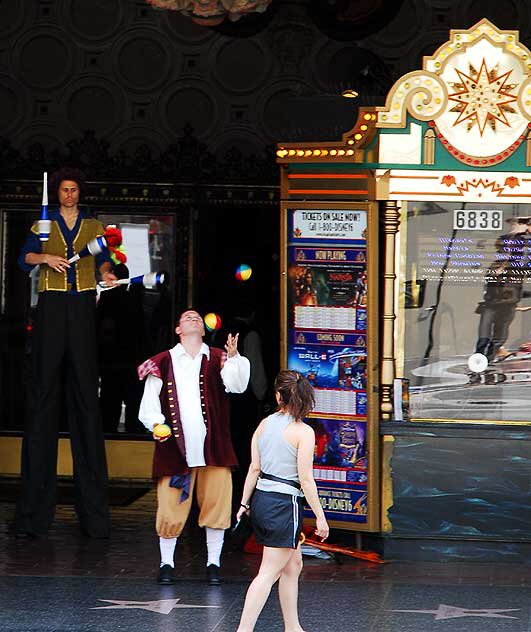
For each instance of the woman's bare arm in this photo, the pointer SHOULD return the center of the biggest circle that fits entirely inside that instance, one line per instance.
(305, 450)
(252, 473)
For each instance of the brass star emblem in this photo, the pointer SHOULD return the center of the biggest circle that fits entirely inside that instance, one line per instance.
(483, 97)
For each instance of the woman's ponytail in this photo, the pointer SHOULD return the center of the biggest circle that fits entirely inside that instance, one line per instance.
(296, 393)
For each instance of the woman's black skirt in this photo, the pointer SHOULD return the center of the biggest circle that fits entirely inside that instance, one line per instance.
(276, 519)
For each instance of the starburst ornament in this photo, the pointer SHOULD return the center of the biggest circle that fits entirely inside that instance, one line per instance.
(483, 97)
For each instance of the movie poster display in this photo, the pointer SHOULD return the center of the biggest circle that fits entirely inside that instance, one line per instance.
(466, 307)
(327, 278)
(326, 289)
(336, 365)
(340, 468)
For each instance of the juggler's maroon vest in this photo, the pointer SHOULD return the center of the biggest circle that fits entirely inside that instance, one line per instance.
(169, 458)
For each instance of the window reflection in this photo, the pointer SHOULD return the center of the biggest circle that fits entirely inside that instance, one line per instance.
(467, 291)
(134, 322)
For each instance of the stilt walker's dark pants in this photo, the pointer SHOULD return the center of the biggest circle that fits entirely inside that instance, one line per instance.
(494, 328)
(64, 349)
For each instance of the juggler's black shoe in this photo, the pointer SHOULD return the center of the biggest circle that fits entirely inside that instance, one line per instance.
(165, 575)
(213, 578)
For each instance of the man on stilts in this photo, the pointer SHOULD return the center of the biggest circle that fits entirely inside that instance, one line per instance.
(64, 361)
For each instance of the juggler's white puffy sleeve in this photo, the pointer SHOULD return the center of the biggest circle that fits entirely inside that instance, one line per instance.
(150, 413)
(235, 374)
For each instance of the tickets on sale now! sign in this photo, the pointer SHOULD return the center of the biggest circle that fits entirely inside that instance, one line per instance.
(329, 224)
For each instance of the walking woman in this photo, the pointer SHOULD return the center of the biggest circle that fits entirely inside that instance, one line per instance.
(281, 470)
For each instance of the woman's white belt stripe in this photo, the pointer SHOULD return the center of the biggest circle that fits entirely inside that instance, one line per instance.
(295, 519)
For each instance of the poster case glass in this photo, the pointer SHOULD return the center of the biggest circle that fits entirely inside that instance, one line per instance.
(329, 334)
(465, 311)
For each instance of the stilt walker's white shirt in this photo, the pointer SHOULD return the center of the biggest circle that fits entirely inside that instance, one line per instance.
(234, 374)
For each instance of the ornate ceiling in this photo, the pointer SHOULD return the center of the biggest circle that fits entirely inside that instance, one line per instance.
(212, 12)
(125, 90)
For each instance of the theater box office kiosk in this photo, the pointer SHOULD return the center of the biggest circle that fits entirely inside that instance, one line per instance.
(406, 254)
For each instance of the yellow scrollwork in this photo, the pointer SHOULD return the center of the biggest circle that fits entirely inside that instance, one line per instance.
(423, 94)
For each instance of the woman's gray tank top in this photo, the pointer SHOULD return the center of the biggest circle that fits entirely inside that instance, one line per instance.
(277, 456)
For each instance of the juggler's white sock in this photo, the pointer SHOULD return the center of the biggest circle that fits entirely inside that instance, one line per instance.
(214, 541)
(167, 549)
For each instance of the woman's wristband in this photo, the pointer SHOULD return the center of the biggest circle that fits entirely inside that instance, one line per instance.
(247, 507)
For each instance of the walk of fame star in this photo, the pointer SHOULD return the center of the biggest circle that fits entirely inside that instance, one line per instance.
(453, 612)
(162, 606)
(483, 97)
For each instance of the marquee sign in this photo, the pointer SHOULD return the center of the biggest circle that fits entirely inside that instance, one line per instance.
(474, 92)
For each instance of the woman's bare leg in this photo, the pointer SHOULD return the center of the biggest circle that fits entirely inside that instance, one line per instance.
(288, 592)
(273, 561)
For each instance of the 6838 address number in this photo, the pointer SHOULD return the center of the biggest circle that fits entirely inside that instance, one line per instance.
(477, 219)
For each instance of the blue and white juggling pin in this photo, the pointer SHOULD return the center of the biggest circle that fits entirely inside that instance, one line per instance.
(94, 247)
(45, 224)
(149, 281)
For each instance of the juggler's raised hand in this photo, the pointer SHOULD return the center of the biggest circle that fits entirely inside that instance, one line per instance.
(232, 345)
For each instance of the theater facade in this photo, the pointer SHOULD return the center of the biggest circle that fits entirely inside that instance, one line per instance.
(424, 208)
